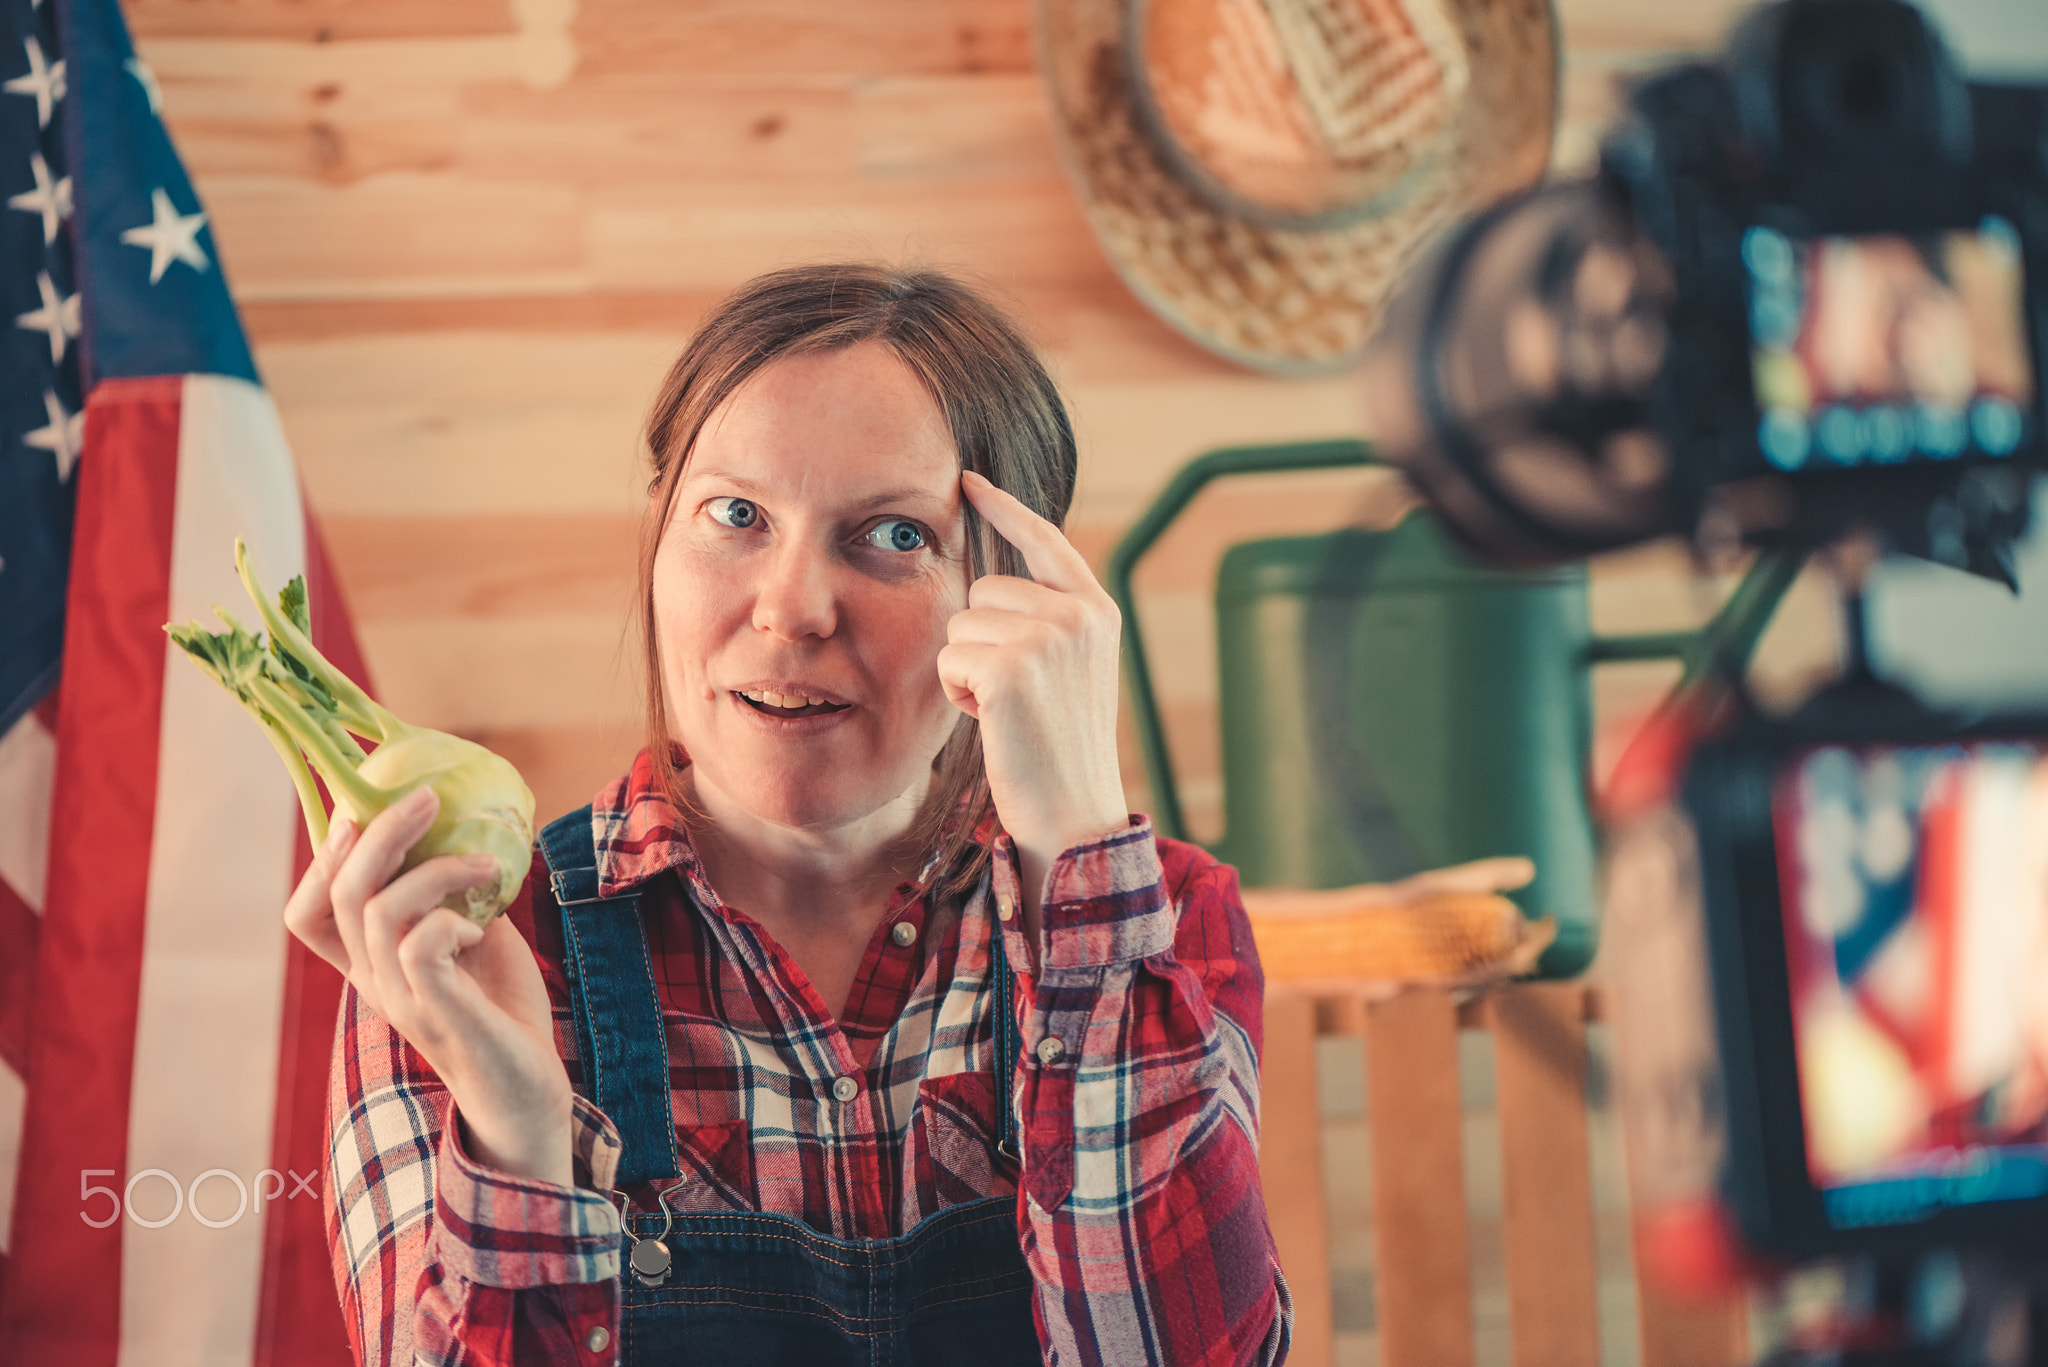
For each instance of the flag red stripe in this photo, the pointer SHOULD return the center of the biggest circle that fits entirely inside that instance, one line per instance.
(63, 1292)
(299, 1320)
(19, 930)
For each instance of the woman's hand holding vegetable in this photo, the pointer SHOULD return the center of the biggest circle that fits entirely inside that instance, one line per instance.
(1035, 661)
(470, 1000)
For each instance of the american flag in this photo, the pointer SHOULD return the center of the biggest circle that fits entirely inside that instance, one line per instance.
(164, 1043)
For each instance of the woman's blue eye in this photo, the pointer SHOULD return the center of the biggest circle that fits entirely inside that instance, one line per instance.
(733, 512)
(896, 535)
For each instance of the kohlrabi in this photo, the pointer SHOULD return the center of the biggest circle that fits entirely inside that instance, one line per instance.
(309, 709)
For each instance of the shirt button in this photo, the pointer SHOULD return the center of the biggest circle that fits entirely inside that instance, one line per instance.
(1003, 908)
(597, 1338)
(845, 1089)
(1051, 1050)
(904, 934)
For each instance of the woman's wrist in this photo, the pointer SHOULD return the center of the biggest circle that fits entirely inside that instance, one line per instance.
(540, 1153)
(1038, 851)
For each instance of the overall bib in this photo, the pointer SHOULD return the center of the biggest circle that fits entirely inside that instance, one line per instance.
(752, 1288)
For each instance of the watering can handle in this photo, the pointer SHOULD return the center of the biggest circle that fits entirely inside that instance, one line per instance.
(1719, 649)
(1123, 561)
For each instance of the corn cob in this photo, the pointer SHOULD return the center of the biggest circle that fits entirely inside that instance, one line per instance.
(1442, 937)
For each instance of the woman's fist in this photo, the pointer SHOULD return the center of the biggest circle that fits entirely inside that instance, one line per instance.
(1035, 661)
(470, 1000)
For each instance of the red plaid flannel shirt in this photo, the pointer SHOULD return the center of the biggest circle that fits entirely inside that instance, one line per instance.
(1139, 1211)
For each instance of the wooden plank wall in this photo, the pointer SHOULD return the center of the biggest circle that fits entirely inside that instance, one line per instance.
(469, 235)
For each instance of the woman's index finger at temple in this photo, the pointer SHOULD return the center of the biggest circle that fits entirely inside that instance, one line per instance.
(1047, 553)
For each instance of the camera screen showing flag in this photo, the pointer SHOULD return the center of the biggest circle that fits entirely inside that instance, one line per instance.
(1882, 349)
(164, 1043)
(1914, 882)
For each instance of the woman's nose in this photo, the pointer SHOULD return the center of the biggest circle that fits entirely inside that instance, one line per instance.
(794, 598)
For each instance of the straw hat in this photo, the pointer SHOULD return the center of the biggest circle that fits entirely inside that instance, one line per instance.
(1260, 170)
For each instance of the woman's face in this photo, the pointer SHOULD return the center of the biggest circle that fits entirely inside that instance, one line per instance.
(813, 554)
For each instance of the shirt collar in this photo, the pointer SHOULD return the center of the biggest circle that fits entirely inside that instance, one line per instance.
(639, 833)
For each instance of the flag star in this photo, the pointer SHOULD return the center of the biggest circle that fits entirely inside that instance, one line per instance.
(50, 198)
(45, 82)
(147, 79)
(58, 317)
(169, 234)
(63, 437)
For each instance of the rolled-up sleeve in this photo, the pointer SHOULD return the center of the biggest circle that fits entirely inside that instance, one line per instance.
(1141, 1214)
(442, 1261)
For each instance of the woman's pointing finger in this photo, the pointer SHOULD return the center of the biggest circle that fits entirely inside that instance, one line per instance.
(1047, 553)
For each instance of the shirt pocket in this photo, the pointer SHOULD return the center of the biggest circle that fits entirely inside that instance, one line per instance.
(953, 1142)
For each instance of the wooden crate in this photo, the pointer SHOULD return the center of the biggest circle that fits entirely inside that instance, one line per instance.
(1423, 1265)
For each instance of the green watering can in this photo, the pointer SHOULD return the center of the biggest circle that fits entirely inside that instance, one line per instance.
(1390, 705)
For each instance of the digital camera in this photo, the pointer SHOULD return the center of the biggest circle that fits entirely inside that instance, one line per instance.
(1805, 292)
(1857, 241)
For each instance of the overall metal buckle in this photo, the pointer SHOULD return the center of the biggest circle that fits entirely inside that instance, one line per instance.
(650, 1258)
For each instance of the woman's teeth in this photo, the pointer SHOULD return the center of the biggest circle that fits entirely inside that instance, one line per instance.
(782, 699)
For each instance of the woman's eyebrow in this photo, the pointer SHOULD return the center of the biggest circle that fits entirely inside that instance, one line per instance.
(716, 475)
(899, 496)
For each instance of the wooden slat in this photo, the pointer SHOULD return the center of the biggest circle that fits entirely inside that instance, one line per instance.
(959, 128)
(1134, 436)
(470, 425)
(1682, 1333)
(285, 321)
(1630, 26)
(432, 234)
(1424, 1272)
(461, 674)
(316, 20)
(1291, 1171)
(510, 565)
(1343, 1016)
(589, 131)
(1539, 1049)
(1091, 330)
(1004, 230)
(746, 37)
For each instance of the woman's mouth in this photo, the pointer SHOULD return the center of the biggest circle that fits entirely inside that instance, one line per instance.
(770, 703)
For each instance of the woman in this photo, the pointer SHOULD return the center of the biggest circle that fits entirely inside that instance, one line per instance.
(894, 1035)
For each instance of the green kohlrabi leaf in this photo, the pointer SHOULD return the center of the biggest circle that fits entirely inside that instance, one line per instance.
(233, 657)
(291, 601)
(312, 713)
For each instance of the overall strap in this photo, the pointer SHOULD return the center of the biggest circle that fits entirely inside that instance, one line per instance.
(1006, 1063)
(1006, 1042)
(619, 1030)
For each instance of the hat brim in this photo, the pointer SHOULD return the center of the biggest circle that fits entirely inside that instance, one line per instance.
(1289, 302)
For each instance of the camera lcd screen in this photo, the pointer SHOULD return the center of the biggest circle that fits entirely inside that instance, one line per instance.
(1888, 349)
(1914, 891)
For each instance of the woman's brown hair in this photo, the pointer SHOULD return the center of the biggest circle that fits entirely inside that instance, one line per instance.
(1008, 424)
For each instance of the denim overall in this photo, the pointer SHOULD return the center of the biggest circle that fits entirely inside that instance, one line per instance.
(751, 1288)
